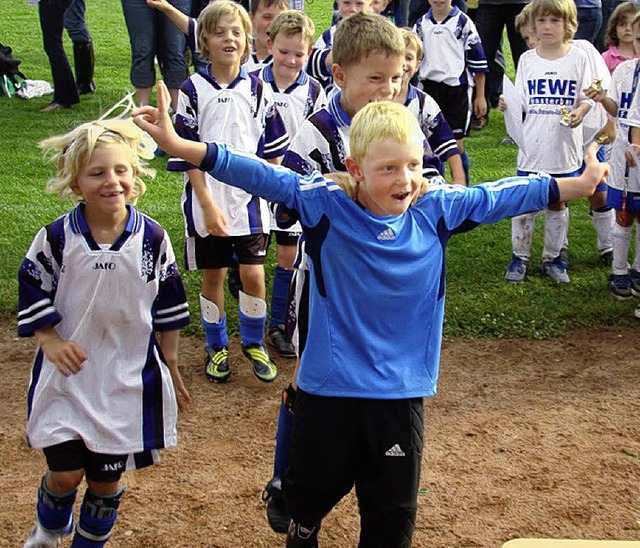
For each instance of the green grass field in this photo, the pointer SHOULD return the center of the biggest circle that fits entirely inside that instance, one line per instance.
(479, 302)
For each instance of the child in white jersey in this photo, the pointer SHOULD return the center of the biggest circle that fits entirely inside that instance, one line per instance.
(100, 290)
(223, 224)
(297, 95)
(619, 35)
(363, 375)
(550, 80)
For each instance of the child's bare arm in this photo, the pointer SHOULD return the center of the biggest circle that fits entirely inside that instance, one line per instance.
(178, 18)
(457, 171)
(67, 356)
(169, 344)
(572, 188)
(608, 133)
(480, 103)
(601, 97)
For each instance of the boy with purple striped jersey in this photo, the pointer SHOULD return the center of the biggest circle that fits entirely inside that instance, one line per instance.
(363, 374)
(222, 223)
(100, 290)
(453, 63)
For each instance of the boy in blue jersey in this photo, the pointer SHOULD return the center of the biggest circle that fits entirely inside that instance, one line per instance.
(375, 258)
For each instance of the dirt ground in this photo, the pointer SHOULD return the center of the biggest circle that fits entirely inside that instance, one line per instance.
(525, 439)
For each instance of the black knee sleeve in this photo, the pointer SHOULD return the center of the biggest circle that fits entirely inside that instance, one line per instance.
(289, 398)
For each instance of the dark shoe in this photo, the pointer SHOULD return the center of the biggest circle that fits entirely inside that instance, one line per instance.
(216, 365)
(263, 367)
(84, 62)
(277, 514)
(478, 124)
(54, 106)
(620, 286)
(277, 338)
(606, 258)
(234, 283)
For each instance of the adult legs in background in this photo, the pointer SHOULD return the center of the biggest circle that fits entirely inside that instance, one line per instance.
(83, 55)
(589, 23)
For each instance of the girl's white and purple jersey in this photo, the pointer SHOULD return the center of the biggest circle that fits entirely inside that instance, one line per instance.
(110, 300)
(241, 114)
(452, 49)
(545, 86)
(623, 90)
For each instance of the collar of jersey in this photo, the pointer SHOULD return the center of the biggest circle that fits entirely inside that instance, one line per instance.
(412, 93)
(340, 117)
(454, 11)
(267, 76)
(79, 226)
(206, 73)
(254, 56)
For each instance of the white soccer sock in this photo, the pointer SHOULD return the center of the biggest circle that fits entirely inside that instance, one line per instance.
(555, 232)
(522, 233)
(636, 263)
(621, 240)
(603, 224)
(253, 307)
(209, 310)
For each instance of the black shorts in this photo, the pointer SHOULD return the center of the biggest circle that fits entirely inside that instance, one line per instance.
(74, 455)
(374, 444)
(222, 252)
(454, 104)
(286, 237)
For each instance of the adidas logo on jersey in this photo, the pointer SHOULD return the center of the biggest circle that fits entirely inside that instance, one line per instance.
(386, 235)
(395, 451)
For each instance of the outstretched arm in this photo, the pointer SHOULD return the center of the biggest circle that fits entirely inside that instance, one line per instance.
(572, 188)
(178, 18)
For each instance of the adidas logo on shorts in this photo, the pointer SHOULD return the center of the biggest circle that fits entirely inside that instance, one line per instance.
(395, 451)
(387, 234)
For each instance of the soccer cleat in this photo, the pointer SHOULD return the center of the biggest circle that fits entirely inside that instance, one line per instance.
(234, 283)
(279, 340)
(516, 270)
(277, 514)
(620, 286)
(563, 256)
(557, 271)
(606, 258)
(263, 367)
(43, 538)
(634, 276)
(636, 312)
(216, 365)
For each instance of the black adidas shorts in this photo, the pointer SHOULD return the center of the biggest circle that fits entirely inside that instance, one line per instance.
(375, 445)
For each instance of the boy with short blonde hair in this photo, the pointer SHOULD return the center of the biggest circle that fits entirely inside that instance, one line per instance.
(364, 374)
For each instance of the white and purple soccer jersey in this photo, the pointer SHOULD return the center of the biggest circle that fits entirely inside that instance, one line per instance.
(110, 300)
(545, 86)
(452, 49)
(623, 90)
(242, 114)
(432, 123)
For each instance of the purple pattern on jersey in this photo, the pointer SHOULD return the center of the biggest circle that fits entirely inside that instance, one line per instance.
(152, 405)
(186, 125)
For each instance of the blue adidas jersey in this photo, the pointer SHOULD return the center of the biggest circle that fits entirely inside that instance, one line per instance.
(377, 288)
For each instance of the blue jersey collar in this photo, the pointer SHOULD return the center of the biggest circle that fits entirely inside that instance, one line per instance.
(341, 118)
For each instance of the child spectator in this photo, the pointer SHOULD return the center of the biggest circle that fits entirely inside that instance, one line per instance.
(427, 111)
(550, 145)
(452, 52)
(619, 35)
(221, 222)
(100, 290)
(363, 374)
(297, 95)
(623, 194)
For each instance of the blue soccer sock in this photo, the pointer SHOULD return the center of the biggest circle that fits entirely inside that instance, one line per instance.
(465, 165)
(216, 333)
(55, 512)
(98, 513)
(251, 328)
(282, 454)
(279, 296)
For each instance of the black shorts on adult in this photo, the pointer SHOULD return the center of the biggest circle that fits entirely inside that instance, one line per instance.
(222, 252)
(74, 455)
(375, 445)
(454, 104)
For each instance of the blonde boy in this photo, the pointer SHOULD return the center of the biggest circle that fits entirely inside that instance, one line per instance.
(364, 374)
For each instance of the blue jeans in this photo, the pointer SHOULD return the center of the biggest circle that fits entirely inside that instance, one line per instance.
(151, 35)
(589, 23)
(74, 22)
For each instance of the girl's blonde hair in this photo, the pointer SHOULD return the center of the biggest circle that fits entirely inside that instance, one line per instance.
(622, 11)
(211, 15)
(558, 8)
(72, 151)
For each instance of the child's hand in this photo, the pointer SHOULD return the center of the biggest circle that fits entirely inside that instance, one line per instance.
(577, 116)
(157, 122)
(627, 153)
(215, 221)
(182, 394)
(158, 4)
(67, 356)
(502, 104)
(480, 106)
(597, 96)
(594, 171)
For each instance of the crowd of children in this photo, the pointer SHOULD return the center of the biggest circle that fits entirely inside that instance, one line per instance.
(343, 169)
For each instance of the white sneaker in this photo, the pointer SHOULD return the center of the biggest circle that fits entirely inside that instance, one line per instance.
(44, 538)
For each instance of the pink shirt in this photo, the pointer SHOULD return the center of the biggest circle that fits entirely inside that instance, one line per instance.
(612, 58)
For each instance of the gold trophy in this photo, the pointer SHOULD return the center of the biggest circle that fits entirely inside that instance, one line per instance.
(566, 116)
(597, 85)
(602, 139)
